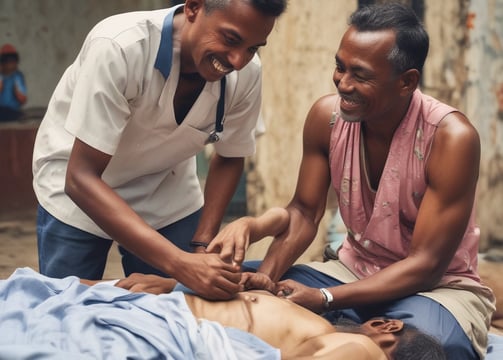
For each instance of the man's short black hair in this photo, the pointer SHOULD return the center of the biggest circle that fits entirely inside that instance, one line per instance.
(412, 41)
(268, 7)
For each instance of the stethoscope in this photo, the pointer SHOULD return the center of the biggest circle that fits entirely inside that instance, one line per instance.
(219, 120)
(167, 46)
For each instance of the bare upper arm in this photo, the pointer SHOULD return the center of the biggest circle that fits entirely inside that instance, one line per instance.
(85, 158)
(452, 174)
(314, 173)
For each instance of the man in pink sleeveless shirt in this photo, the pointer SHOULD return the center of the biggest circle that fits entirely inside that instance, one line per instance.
(405, 169)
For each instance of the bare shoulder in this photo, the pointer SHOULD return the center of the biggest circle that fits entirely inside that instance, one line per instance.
(321, 110)
(339, 346)
(456, 129)
(317, 127)
(455, 155)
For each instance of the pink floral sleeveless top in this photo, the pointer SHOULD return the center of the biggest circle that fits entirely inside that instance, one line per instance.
(380, 230)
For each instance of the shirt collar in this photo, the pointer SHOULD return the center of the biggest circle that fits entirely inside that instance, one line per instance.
(165, 53)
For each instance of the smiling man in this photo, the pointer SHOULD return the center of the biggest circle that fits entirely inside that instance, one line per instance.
(114, 158)
(404, 167)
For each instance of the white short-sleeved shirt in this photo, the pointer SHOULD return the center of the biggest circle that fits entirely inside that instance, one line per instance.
(118, 98)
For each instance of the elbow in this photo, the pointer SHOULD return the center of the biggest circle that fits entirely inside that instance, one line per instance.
(70, 186)
(431, 275)
(73, 186)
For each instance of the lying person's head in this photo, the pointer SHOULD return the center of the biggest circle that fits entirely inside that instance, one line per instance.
(398, 340)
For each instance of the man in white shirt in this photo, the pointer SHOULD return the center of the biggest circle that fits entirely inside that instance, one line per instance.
(114, 155)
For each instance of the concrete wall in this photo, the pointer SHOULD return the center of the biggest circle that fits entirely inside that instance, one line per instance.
(464, 68)
(483, 104)
(298, 66)
(48, 35)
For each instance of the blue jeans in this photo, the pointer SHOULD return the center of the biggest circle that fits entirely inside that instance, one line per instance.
(64, 250)
(425, 314)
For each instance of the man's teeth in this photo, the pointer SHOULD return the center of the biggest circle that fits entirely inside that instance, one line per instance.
(219, 67)
(350, 101)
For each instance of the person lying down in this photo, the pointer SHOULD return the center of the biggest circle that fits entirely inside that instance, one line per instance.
(46, 318)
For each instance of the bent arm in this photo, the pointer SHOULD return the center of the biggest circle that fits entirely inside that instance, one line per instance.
(221, 183)
(233, 240)
(111, 213)
(444, 213)
(307, 206)
(206, 274)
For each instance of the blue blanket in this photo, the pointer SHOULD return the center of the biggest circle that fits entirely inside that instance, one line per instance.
(45, 318)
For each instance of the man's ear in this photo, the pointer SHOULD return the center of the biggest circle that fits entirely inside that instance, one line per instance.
(192, 8)
(393, 325)
(409, 80)
(387, 326)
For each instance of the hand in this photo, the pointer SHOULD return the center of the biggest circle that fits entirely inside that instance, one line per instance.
(257, 281)
(310, 298)
(209, 276)
(232, 241)
(148, 283)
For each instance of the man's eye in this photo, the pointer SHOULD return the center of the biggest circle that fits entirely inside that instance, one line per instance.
(231, 41)
(360, 77)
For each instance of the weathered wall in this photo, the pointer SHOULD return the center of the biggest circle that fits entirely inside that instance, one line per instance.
(464, 68)
(483, 103)
(298, 66)
(48, 35)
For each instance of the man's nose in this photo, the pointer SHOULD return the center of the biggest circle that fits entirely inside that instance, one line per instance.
(343, 81)
(238, 58)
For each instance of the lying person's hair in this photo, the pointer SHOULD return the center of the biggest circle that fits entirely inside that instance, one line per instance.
(411, 342)
(414, 344)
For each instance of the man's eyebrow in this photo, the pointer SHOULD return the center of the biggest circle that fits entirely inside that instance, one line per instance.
(239, 37)
(353, 67)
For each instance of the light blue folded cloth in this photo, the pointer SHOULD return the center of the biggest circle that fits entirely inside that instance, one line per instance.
(45, 318)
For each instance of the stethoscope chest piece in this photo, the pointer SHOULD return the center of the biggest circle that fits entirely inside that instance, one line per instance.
(212, 138)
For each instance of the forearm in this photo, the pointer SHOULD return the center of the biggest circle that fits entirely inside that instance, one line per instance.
(115, 217)
(401, 279)
(221, 182)
(288, 246)
(273, 222)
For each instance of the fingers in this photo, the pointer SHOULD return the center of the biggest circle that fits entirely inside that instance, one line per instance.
(214, 247)
(285, 288)
(126, 283)
(227, 251)
(221, 288)
(230, 251)
(239, 254)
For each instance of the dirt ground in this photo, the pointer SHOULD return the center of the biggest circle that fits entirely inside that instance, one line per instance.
(18, 248)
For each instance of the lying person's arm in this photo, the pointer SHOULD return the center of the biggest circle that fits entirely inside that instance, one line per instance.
(235, 238)
(137, 282)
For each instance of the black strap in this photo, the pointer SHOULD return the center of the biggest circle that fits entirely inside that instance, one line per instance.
(219, 121)
(165, 54)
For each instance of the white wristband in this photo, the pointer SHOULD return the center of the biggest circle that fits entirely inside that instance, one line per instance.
(328, 298)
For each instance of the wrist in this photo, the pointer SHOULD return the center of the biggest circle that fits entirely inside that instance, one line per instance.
(197, 244)
(328, 298)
